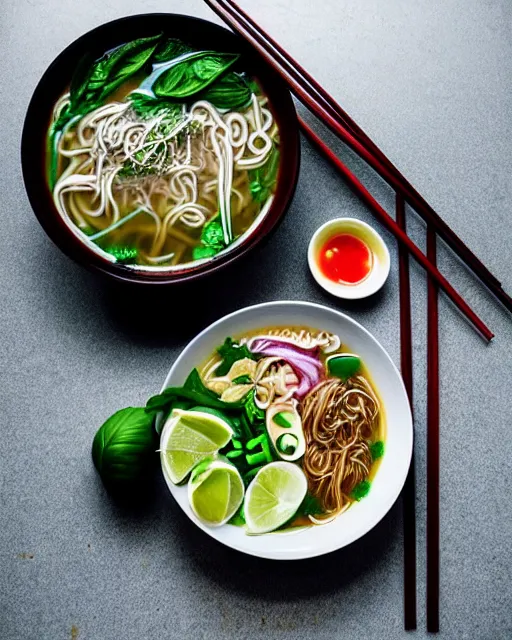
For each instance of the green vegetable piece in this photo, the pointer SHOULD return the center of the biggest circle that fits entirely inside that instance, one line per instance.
(361, 490)
(236, 453)
(256, 458)
(343, 366)
(198, 253)
(377, 450)
(263, 179)
(212, 235)
(230, 91)
(252, 444)
(267, 450)
(239, 518)
(284, 419)
(247, 477)
(123, 447)
(246, 431)
(193, 390)
(230, 352)
(170, 49)
(193, 74)
(94, 82)
(287, 443)
(254, 414)
(195, 383)
(123, 255)
(236, 443)
(242, 380)
(310, 506)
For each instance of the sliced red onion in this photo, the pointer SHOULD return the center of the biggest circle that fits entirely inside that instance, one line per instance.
(306, 364)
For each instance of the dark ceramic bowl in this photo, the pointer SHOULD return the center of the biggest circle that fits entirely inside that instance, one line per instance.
(55, 81)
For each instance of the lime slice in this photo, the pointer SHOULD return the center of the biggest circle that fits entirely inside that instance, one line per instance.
(187, 438)
(274, 496)
(215, 491)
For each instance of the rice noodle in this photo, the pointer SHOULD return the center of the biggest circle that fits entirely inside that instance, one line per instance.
(190, 166)
(338, 419)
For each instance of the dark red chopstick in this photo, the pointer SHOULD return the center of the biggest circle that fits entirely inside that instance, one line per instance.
(331, 113)
(432, 443)
(382, 215)
(409, 490)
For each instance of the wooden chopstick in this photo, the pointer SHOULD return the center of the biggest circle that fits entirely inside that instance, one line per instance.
(382, 215)
(432, 444)
(409, 490)
(316, 98)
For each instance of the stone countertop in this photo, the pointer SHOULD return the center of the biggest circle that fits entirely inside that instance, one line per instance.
(429, 80)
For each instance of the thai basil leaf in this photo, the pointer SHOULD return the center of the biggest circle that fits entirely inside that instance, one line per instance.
(170, 397)
(192, 75)
(123, 446)
(230, 91)
(170, 49)
(194, 383)
(230, 352)
(111, 70)
(80, 79)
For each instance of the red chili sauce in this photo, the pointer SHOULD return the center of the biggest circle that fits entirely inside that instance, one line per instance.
(346, 259)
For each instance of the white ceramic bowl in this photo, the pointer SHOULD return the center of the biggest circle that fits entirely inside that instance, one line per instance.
(392, 471)
(380, 264)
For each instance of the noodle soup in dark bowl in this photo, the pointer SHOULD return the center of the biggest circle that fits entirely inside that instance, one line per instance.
(159, 148)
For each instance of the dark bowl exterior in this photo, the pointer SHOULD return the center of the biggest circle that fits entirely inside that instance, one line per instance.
(56, 79)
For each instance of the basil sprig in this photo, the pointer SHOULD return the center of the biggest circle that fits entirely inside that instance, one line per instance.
(193, 74)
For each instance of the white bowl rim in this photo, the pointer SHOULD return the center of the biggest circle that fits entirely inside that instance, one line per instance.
(357, 533)
(359, 290)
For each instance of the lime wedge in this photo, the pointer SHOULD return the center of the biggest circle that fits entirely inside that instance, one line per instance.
(187, 438)
(215, 491)
(274, 496)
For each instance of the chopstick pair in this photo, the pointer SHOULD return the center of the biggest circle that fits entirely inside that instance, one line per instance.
(409, 491)
(324, 107)
(307, 90)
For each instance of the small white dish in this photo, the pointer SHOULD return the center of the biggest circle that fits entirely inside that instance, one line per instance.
(392, 471)
(380, 263)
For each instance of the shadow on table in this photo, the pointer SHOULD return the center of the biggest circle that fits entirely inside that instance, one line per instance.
(272, 580)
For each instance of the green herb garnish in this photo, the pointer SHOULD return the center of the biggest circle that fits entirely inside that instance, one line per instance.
(377, 450)
(230, 352)
(361, 490)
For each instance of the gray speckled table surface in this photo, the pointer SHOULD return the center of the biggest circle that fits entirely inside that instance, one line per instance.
(430, 81)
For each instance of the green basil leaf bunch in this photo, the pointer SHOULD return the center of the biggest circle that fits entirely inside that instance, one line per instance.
(124, 447)
(193, 74)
